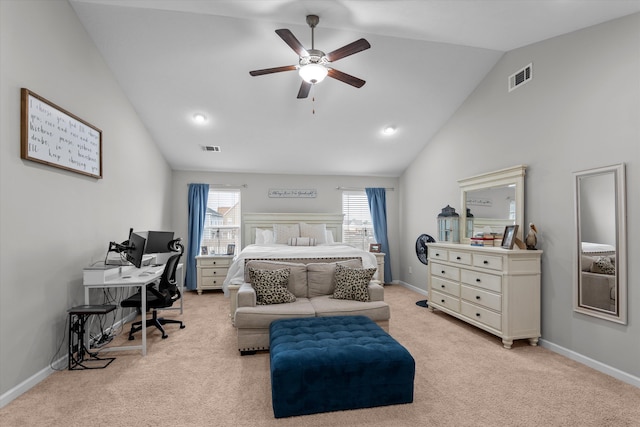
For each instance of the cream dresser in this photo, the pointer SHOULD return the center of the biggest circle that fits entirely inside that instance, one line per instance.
(211, 271)
(495, 289)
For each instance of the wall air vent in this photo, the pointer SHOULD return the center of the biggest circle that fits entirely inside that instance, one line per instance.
(520, 77)
(215, 148)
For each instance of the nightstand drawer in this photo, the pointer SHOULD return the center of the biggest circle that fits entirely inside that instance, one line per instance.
(213, 262)
(211, 282)
(215, 272)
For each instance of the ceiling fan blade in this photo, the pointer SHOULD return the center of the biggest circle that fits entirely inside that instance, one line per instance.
(304, 90)
(273, 70)
(350, 49)
(292, 41)
(346, 78)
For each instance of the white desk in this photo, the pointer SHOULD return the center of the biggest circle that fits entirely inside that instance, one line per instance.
(126, 277)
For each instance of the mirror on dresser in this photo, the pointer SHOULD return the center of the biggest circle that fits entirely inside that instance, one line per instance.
(495, 199)
(600, 283)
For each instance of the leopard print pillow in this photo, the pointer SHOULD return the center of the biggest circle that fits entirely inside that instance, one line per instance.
(271, 286)
(603, 265)
(352, 283)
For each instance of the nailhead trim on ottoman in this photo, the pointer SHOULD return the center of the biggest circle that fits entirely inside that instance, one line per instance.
(323, 364)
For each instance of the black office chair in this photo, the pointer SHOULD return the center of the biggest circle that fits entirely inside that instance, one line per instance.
(163, 297)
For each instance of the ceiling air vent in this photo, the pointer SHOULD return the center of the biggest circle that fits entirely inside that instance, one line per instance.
(520, 77)
(215, 148)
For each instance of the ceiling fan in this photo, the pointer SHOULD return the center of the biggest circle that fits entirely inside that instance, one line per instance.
(314, 65)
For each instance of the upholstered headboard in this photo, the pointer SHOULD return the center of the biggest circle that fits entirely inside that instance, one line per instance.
(252, 221)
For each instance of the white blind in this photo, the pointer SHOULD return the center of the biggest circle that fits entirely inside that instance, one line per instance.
(222, 220)
(357, 229)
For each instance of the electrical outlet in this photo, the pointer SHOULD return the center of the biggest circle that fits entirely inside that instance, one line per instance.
(410, 270)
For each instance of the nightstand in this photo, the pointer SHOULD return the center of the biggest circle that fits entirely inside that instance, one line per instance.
(211, 271)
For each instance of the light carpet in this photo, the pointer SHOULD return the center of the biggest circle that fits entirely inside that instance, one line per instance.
(196, 377)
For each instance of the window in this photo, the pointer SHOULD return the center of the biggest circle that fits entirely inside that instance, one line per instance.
(357, 228)
(222, 221)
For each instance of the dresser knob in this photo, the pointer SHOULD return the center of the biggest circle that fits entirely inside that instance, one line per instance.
(458, 258)
(442, 301)
(478, 314)
(485, 262)
(442, 271)
(478, 280)
(442, 286)
(477, 296)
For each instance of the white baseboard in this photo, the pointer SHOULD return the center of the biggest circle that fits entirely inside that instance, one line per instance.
(598, 366)
(58, 365)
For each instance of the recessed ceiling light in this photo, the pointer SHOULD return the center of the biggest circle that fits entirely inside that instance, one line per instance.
(199, 118)
(389, 130)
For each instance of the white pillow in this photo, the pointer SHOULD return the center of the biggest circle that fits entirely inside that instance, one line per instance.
(329, 235)
(314, 231)
(301, 241)
(264, 236)
(282, 233)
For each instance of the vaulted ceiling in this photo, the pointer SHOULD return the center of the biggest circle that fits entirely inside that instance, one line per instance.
(177, 58)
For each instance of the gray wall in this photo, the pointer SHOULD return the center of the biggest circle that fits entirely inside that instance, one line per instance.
(255, 197)
(580, 111)
(54, 222)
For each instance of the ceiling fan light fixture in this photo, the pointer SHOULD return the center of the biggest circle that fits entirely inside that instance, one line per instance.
(313, 73)
(199, 118)
(389, 130)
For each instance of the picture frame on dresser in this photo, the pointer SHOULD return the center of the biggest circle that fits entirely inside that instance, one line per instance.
(375, 247)
(231, 248)
(509, 236)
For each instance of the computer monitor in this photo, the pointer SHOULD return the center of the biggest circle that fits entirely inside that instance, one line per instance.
(158, 242)
(135, 249)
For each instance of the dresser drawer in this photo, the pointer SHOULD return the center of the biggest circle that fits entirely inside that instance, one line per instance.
(211, 282)
(487, 261)
(445, 271)
(460, 257)
(481, 315)
(438, 254)
(446, 286)
(482, 280)
(213, 262)
(445, 300)
(480, 297)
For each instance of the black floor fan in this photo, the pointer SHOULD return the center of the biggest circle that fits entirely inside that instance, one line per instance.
(421, 252)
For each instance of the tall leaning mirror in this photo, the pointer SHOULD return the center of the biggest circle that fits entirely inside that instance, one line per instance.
(600, 279)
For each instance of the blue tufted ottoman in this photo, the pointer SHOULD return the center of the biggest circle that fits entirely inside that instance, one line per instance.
(322, 364)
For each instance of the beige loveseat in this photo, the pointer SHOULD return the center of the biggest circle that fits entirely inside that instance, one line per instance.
(313, 286)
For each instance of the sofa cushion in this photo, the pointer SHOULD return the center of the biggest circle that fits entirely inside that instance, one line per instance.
(325, 306)
(321, 276)
(297, 274)
(261, 316)
(271, 286)
(352, 283)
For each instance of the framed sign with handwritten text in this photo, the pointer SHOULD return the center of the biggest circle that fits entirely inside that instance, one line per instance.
(55, 137)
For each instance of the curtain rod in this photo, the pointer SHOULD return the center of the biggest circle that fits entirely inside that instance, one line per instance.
(360, 189)
(223, 185)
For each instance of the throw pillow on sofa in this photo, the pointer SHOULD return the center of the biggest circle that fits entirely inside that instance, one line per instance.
(353, 283)
(271, 286)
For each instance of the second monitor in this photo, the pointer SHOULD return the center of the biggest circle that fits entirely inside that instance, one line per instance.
(158, 242)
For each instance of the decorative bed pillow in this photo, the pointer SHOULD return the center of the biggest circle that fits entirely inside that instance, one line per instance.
(329, 235)
(301, 241)
(314, 231)
(353, 283)
(282, 232)
(603, 265)
(264, 236)
(271, 286)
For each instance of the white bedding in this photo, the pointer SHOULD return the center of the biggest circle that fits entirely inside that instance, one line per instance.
(597, 248)
(236, 270)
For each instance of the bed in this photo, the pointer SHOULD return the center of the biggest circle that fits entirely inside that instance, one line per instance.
(598, 287)
(266, 236)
